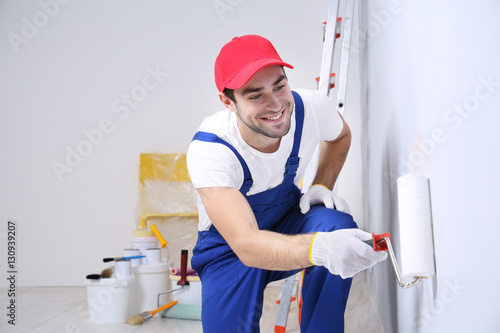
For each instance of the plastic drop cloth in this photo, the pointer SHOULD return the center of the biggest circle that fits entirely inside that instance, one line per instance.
(165, 188)
(361, 313)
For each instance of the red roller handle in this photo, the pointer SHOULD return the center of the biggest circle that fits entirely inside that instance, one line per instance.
(378, 242)
(184, 258)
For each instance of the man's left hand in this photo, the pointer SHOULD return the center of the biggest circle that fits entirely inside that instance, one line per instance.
(318, 194)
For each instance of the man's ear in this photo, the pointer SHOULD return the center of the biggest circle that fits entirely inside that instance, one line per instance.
(228, 103)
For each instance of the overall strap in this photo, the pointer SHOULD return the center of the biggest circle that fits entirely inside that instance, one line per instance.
(292, 163)
(247, 177)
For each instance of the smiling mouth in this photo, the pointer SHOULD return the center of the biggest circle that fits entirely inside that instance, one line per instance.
(278, 116)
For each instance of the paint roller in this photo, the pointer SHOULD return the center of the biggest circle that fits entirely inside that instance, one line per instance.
(416, 234)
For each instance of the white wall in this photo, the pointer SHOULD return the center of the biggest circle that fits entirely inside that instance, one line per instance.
(66, 68)
(432, 90)
(419, 60)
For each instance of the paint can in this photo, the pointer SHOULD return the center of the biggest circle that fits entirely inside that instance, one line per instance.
(132, 253)
(151, 279)
(188, 294)
(109, 299)
(144, 239)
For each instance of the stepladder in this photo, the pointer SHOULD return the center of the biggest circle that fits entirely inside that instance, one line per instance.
(336, 28)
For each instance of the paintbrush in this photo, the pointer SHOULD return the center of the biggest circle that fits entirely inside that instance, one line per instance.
(106, 273)
(146, 315)
(122, 258)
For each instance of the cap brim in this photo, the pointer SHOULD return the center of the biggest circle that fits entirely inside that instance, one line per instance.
(243, 76)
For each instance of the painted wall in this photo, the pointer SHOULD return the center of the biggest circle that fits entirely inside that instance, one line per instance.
(108, 81)
(431, 96)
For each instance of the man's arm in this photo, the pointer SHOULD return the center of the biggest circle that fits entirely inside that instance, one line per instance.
(233, 217)
(332, 156)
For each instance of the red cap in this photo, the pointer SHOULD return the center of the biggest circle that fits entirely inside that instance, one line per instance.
(241, 58)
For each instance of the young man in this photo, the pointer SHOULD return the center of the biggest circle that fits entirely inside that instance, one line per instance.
(255, 226)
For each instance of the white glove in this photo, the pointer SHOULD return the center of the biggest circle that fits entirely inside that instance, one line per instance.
(321, 194)
(343, 252)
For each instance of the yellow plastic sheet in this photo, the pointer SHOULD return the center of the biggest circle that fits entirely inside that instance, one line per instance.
(165, 167)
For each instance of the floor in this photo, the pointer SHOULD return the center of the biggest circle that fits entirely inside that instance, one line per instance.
(65, 309)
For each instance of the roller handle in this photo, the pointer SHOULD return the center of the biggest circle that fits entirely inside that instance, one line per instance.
(183, 280)
(378, 242)
(158, 235)
(382, 242)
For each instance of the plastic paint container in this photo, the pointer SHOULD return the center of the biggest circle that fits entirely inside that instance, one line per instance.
(153, 256)
(131, 253)
(151, 279)
(123, 269)
(109, 299)
(144, 239)
(190, 294)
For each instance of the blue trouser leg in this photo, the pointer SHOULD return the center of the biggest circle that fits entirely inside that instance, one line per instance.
(233, 293)
(235, 299)
(324, 294)
(324, 301)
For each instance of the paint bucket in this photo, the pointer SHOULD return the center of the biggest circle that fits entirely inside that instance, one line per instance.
(151, 279)
(144, 239)
(189, 294)
(132, 253)
(123, 269)
(109, 299)
(153, 256)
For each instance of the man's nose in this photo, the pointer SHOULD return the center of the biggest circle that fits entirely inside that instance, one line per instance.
(274, 103)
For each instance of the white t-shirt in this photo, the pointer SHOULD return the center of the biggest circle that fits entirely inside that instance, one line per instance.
(215, 165)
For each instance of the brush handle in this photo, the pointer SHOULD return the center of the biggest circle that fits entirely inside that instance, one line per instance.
(122, 258)
(163, 307)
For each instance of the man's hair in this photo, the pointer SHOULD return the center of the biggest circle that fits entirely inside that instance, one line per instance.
(229, 93)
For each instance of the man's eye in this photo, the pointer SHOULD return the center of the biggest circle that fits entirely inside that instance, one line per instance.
(280, 87)
(255, 97)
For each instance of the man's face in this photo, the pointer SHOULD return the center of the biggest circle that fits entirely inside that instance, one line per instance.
(264, 107)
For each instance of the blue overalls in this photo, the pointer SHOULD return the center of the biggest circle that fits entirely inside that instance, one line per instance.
(232, 293)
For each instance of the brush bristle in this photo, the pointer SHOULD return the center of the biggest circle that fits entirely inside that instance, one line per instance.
(106, 273)
(139, 319)
(136, 320)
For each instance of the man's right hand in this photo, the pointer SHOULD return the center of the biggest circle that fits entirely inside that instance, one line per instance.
(343, 252)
